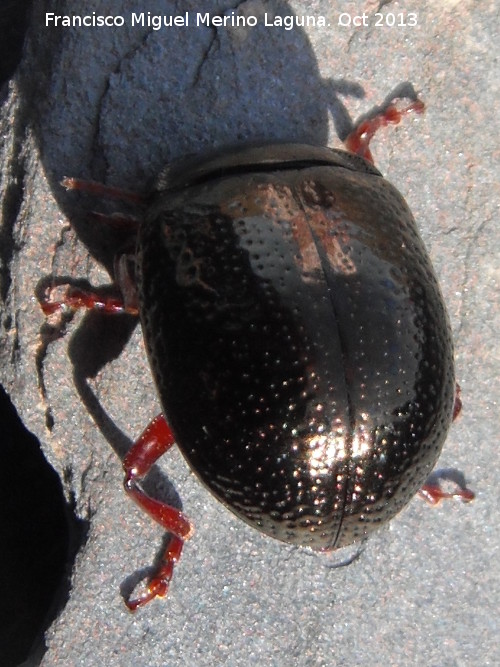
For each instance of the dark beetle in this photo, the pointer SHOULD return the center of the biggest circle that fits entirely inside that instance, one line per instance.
(298, 339)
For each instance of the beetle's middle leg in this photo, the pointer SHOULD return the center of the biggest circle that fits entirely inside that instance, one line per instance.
(82, 295)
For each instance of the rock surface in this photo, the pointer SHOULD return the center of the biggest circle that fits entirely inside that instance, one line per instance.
(115, 104)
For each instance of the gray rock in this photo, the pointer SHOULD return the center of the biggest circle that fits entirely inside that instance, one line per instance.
(115, 104)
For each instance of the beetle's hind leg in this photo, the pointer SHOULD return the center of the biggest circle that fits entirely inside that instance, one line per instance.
(434, 491)
(153, 443)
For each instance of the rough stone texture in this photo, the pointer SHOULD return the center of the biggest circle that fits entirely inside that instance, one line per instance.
(115, 104)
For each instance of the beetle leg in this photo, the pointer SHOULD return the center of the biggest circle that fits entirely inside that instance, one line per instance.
(358, 141)
(126, 282)
(433, 493)
(77, 297)
(153, 443)
(101, 190)
(124, 223)
(457, 406)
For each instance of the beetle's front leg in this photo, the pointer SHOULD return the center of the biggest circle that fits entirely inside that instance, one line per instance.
(153, 443)
(359, 139)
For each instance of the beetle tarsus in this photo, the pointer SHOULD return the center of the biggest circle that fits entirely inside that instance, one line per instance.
(158, 586)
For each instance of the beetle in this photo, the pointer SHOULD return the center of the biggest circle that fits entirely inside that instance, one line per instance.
(297, 336)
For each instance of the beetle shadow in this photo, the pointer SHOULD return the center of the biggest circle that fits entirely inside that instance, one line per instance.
(98, 327)
(114, 332)
(99, 339)
(142, 97)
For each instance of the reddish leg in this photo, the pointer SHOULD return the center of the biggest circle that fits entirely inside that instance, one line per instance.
(101, 190)
(359, 139)
(153, 443)
(76, 298)
(432, 491)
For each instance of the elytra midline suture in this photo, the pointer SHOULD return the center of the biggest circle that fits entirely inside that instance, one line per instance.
(158, 21)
